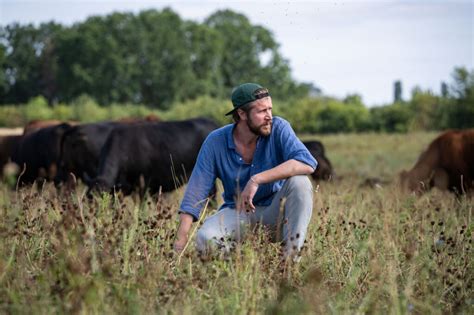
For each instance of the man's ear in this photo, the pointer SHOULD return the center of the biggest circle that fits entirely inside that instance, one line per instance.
(242, 114)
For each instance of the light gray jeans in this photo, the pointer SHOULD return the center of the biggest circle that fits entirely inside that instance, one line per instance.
(288, 215)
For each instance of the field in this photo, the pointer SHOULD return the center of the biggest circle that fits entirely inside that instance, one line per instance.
(370, 248)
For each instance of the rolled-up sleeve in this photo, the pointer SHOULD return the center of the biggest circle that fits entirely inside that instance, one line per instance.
(291, 147)
(201, 181)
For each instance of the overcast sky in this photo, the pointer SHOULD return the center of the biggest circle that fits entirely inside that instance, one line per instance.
(341, 46)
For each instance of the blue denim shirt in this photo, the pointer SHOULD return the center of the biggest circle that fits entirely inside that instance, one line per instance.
(218, 158)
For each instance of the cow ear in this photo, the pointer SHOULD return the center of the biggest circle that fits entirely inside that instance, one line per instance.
(63, 128)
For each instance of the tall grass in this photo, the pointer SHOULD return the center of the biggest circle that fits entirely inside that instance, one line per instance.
(370, 249)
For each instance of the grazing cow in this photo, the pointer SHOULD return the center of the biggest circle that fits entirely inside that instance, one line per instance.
(37, 153)
(151, 155)
(447, 164)
(8, 146)
(150, 117)
(80, 150)
(81, 145)
(324, 170)
(35, 125)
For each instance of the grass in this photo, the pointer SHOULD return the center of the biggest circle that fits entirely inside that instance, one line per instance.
(369, 249)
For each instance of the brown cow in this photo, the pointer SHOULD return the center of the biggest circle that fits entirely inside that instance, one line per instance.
(37, 124)
(128, 120)
(447, 164)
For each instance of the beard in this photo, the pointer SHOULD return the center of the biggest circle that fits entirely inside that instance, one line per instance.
(263, 130)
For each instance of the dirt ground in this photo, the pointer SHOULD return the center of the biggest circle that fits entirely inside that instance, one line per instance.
(11, 131)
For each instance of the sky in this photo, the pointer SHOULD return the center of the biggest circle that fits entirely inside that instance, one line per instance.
(342, 47)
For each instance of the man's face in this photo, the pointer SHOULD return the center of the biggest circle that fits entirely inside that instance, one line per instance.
(259, 118)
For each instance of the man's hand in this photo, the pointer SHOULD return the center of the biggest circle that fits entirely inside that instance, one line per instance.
(246, 197)
(180, 243)
(186, 221)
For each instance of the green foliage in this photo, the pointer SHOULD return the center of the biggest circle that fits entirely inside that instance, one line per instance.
(461, 112)
(326, 115)
(153, 58)
(391, 118)
(11, 116)
(426, 110)
(85, 109)
(201, 107)
(397, 92)
(37, 109)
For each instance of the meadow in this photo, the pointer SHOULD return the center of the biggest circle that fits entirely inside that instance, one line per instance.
(370, 248)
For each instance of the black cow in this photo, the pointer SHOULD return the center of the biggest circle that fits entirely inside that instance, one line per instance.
(151, 155)
(8, 145)
(81, 145)
(37, 153)
(324, 170)
(80, 150)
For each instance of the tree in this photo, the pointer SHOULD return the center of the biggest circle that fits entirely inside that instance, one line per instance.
(444, 90)
(205, 46)
(461, 113)
(244, 48)
(21, 66)
(425, 108)
(397, 93)
(353, 99)
(3, 78)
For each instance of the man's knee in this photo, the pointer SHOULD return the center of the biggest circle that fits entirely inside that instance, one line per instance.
(205, 239)
(300, 182)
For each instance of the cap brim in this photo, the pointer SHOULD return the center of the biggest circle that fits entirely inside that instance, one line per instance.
(231, 112)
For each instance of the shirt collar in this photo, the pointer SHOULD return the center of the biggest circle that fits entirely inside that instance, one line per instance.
(230, 137)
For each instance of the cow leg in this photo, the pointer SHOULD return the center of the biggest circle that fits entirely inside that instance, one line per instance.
(440, 179)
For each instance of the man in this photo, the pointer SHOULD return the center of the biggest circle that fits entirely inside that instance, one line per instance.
(262, 155)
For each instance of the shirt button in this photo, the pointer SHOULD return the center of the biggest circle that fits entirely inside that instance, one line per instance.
(252, 165)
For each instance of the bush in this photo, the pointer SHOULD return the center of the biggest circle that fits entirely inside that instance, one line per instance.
(38, 108)
(391, 118)
(11, 116)
(63, 112)
(204, 106)
(326, 115)
(85, 109)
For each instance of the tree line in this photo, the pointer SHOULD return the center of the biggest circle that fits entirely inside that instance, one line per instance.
(153, 58)
(156, 61)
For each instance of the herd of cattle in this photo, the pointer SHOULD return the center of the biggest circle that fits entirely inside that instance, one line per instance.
(123, 155)
(139, 154)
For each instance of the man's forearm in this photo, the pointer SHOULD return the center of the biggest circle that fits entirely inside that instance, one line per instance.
(282, 171)
(186, 221)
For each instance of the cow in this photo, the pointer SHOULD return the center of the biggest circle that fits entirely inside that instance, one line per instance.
(37, 124)
(324, 171)
(80, 150)
(8, 145)
(155, 156)
(150, 117)
(447, 164)
(81, 145)
(37, 153)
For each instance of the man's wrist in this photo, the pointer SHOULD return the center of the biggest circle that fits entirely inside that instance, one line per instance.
(254, 180)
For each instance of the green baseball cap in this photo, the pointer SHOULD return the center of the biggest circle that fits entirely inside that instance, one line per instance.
(246, 93)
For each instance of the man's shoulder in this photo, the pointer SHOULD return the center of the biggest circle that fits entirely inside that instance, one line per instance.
(279, 120)
(219, 135)
(280, 124)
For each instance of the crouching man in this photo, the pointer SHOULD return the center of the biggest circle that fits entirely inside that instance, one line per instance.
(262, 166)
